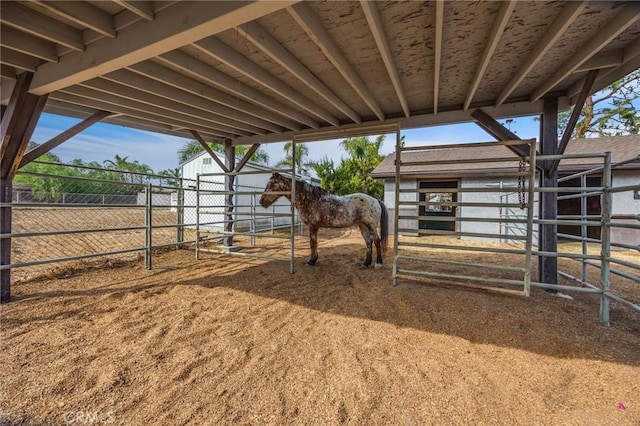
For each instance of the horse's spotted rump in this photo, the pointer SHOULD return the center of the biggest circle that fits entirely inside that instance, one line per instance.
(320, 209)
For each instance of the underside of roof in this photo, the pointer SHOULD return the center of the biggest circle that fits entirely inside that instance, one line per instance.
(256, 72)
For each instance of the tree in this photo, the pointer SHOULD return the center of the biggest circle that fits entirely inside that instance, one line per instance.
(299, 158)
(610, 112)
(352, 175)
(193, 148)
(171, 176)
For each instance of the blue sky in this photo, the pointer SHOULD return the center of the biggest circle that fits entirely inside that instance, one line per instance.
(103, 141)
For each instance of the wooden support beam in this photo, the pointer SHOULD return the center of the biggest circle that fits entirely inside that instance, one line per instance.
(627, 16)
(19, 60)
(504, 14)
(437, 53)
(573, 119)
(217, 49)
(177, 25)
(556, 29)
(143, 9)
(498, 131)
(247, 157)
(307, 19)
(377, 29)
(62, 137)
(28, 44)
(207, 148)
(548, 234)
(274, 49)
(190, 65)
(83, 13)
(18, 122)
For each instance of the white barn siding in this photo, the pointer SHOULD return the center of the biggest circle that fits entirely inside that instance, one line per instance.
(390, 201)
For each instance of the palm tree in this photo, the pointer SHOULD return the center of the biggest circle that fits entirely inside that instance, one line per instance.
(361, 147)
(299, 157)
(171, 176)
(190, 150)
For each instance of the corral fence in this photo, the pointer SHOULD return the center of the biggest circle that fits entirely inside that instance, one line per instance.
(607, 235)
(72, 214)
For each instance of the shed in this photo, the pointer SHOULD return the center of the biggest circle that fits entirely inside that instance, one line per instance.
(466, 175)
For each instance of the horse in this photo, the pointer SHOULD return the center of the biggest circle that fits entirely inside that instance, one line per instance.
(320, 209)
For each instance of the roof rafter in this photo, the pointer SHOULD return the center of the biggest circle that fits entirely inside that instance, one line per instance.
(182, 82)
(625, 18)
(28, 44)
(115, 92)
(172, 28)
(504, 14)
(131, 109)
(437, 52)
(32, 22)
(274, 49)
(307, 19)
(19, 60)
(217, 49)
(377, 30)
(154, 87)
(143, 9)
(610, 59)
(196, 68)
(83, 13)
(556, 29)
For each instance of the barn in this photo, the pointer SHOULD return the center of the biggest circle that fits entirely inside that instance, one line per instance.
(478, 335)
(462, 174)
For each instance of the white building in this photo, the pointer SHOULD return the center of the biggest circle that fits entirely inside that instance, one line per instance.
(625, 206)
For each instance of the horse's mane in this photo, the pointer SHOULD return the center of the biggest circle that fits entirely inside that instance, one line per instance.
(312, 189)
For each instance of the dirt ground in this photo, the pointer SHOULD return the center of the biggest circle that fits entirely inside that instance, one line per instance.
(228, 340)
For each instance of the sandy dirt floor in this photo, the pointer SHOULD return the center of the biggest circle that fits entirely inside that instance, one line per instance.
(228, 340)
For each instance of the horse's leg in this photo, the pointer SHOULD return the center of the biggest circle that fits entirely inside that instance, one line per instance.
(366, 234)
(376, 240)
(313, 242)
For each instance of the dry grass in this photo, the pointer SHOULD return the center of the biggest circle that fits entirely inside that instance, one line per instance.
(241, 341)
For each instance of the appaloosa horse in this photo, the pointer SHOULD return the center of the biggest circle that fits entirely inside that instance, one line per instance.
(320, 209)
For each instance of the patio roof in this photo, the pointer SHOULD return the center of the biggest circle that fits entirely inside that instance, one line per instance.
(255, 72)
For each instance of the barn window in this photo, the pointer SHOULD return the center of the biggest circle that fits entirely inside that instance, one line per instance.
(438, 204)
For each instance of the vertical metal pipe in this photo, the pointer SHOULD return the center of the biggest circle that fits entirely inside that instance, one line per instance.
(529, 240)
(396, 210)
(197, 216)
(583, 227)
(148, 221)
(293, 202)
(252, 221)
(180, 214)
(606, 240)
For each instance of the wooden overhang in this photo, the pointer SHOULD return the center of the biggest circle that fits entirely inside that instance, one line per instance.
(256, 72)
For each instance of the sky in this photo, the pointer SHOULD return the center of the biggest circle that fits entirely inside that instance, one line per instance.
(103, 141)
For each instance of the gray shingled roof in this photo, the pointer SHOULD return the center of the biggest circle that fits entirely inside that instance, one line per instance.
(621, 148)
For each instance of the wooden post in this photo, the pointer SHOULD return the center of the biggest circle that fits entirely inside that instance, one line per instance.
(18, 122)
(229, 159)
(548, 234)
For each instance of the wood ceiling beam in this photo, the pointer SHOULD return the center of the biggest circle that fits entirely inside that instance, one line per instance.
(610, 59)
(630, 63)
(197, 69)
(217, 49)
(207, 148)
(627, 16)
(27, 20)
(62, 137)
(504, 14)
(554, 32)
(182, 82)
(9, 72)
(150, 114)
(377, 30)
(154, 87)
(307, 19)
(274, 49)
(437, 53)
(172, 28)
(28, 44)
(118, 94)
(143, 9)
(83, 13)
(19, 60)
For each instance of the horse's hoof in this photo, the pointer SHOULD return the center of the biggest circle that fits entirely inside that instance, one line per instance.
(378, 266)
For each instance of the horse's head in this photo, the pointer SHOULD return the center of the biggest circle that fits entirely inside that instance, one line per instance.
(277, 183)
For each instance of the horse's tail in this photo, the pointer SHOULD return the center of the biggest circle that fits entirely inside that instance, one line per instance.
(384, 225)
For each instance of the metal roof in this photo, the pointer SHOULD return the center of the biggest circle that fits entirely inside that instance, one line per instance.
(259, 72)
